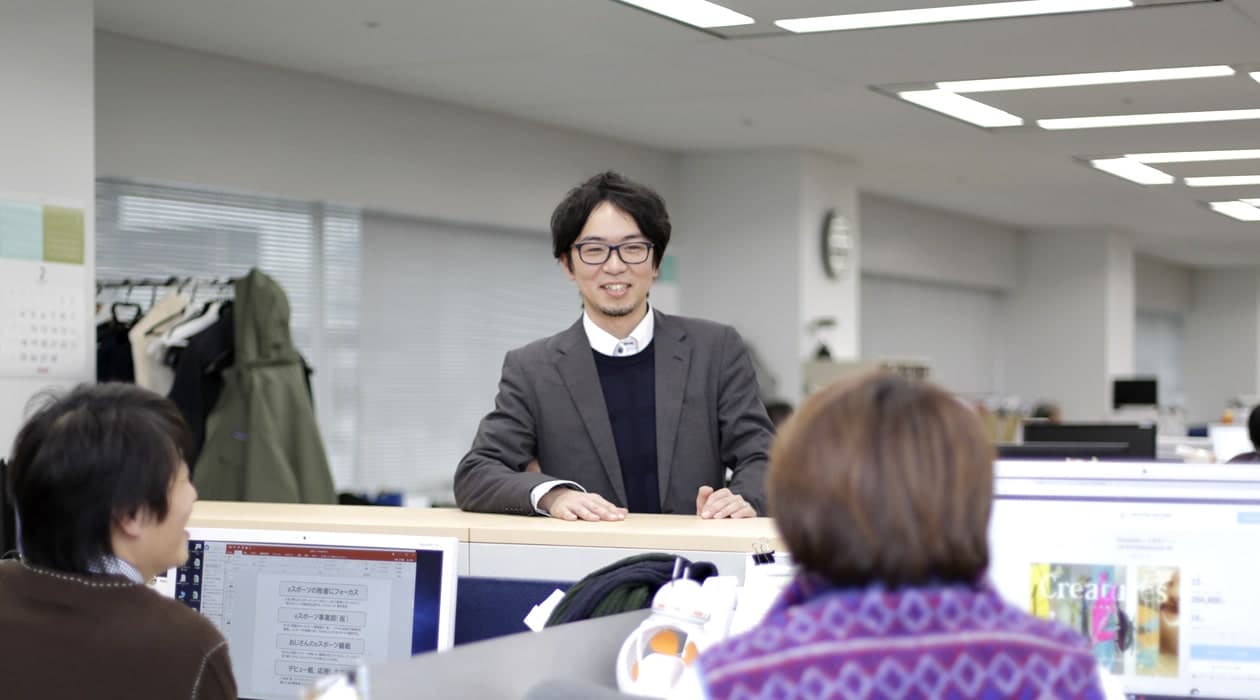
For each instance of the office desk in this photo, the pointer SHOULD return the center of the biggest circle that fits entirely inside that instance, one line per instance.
(507, 563)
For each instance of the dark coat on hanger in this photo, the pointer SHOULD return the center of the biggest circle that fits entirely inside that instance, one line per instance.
(262, 441)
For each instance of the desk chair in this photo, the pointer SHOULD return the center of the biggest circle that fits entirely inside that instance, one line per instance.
(8, 516)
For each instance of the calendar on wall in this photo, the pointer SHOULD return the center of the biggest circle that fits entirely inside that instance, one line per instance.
(44, 309)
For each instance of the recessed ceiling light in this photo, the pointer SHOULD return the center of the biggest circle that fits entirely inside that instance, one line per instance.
(1034, 82)
(698, 13)
(953, 13)
(1133, 171)
(1196, 156)
(1236, 209)
(1223, 181)
(1255, 76)
(1223, 115)
(960, 107)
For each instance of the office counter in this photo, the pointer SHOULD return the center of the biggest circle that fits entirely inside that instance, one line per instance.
(513, 546)
(507, 563)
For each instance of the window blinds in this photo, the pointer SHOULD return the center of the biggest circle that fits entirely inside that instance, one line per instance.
(441, 306)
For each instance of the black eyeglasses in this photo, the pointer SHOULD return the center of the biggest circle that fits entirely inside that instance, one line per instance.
(597, 253)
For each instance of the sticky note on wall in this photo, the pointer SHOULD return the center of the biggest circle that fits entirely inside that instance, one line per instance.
(63, 235)
(21, 231)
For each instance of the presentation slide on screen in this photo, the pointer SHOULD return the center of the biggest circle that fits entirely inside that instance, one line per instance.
(294, 613)
(1162, 585)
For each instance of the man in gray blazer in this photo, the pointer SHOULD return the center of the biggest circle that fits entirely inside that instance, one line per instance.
(629, 409)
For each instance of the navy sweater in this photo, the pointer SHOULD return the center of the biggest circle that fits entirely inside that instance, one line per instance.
(629, 385)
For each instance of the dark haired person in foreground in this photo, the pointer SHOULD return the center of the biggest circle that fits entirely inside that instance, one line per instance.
(881, 488)
(630, 409)
(100, 483)
(1253, 432)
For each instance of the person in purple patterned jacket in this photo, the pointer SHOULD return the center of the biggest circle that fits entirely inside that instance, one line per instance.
(881, 488)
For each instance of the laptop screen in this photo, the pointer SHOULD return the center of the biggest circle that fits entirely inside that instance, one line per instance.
(1154, 564)
(295, 606)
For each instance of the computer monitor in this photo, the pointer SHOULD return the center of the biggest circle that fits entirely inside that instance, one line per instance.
(1153, 563)
(1061, 450)
(297, 605)
(1229, 441)
(1139, 438)
(1139, 391)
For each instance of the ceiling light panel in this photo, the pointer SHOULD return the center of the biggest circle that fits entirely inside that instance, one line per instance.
(1223, 181)
(953, 13)
(1037, 82)
(1133, 171)
(697, 13)
(1103, 122)
(1196, 156)
(1236, 210)
(960, 107)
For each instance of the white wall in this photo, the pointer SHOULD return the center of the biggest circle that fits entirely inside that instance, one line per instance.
(956, 330)
(180, 116)
(828, 184)
(1119, 301)
(934, 287)
(913, 242)
(748, 228)
(1222, 340)
(1163, 287)
(46, 134)
(1066, 320)
(1160, 340)
(736, 228)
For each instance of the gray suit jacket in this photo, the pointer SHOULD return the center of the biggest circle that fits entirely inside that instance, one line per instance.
(551, 407)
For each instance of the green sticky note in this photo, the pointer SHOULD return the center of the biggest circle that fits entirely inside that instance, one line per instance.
(669, 269)
(63, 235)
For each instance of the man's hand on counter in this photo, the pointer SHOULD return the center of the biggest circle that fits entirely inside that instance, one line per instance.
(722, 503)
(568, 504)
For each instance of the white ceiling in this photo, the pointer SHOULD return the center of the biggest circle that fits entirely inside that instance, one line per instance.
(606, 68)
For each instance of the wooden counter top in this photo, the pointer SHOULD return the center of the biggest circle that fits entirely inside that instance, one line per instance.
(638, 531)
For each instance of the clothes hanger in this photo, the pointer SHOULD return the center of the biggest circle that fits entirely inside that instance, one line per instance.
(161, 326)
(179, 335)
(125, 304)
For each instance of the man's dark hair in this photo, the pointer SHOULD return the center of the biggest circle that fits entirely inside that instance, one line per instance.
(638, 201)
(87, 460)
(880, 479)
(1253, 427)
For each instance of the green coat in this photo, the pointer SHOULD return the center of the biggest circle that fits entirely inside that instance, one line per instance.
(262, 441)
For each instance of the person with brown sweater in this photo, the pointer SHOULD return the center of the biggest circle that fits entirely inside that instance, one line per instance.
(100, 482)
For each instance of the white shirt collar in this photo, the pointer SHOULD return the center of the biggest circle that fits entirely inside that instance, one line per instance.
(606, 343)
(110, 564)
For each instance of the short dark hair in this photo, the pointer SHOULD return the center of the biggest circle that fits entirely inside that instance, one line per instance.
(639, 201)
(879, 479)
(1253, 426)
(85, 461)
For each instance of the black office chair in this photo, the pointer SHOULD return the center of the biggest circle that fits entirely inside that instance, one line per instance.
(8, 517)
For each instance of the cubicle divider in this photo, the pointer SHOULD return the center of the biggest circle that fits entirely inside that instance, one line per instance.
(509, 563)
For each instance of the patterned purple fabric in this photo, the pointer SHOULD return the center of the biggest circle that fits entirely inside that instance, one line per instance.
(955, 641)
